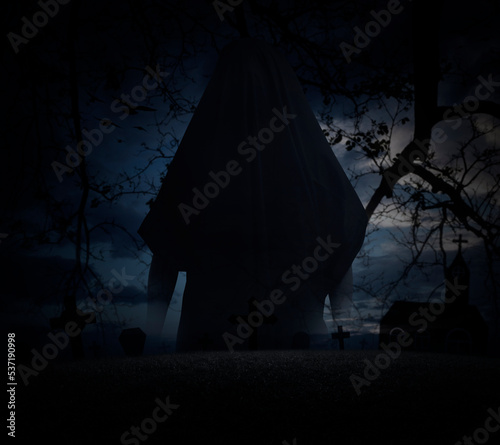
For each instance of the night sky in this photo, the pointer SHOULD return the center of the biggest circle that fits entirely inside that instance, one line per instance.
(81, 73)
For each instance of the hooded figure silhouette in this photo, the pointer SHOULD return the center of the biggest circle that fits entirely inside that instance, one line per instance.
(256, 209)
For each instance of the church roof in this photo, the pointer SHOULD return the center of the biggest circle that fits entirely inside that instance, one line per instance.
(459, 261)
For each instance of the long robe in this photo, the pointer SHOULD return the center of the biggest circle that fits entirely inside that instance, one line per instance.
(252, 194)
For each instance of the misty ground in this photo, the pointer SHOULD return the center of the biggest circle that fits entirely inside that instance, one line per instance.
(262, 398)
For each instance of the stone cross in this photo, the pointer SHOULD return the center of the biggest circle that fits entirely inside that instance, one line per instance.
(340, 335)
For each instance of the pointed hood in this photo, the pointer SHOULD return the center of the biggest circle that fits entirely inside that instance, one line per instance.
(254, 179)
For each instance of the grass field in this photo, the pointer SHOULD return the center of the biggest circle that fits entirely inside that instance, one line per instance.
(303, 397)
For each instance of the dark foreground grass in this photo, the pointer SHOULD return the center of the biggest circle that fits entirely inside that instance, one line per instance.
(261, 398)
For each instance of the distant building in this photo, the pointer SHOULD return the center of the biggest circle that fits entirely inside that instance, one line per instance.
(455, 327)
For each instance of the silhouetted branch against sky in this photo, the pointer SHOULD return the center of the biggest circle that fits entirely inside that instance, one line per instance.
(97, 96)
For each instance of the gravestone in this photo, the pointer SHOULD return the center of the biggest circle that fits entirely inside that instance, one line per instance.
(132, 341)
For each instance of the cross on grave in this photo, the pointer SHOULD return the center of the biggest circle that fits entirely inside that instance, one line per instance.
(340, 335)
(460, 241)
(253, 341)
(71, 314)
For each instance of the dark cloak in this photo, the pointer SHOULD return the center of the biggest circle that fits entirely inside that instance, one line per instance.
(280, 195)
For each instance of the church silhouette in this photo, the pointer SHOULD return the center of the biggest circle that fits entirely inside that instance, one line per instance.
(454, 326)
